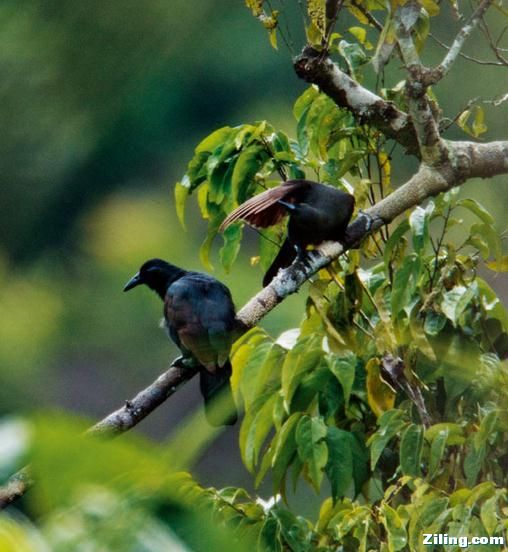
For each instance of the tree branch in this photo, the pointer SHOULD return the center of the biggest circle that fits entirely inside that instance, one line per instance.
(444, 67)
(432, 148)
(312, 67)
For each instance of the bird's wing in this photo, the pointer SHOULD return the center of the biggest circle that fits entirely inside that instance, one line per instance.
(263, 209)
(201, 311)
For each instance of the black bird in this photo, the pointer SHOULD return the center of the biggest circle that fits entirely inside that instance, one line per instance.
(317, 213)
(200, 318)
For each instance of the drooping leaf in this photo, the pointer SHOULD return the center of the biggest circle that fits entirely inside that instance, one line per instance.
(456, 300)
(390, 423)
(284, 450)
(312, 448)
(405, 282)
(343, 368)
(304, 356)
(411, 446)
(437, 449)
(339, 468)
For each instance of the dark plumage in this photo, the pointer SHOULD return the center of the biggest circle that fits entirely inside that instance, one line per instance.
(317, 213)
(200, 317)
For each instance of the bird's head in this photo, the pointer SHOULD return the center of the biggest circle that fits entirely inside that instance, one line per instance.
(156, 274)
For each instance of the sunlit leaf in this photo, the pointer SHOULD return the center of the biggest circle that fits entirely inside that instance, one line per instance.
(394, 525)
(380, 396)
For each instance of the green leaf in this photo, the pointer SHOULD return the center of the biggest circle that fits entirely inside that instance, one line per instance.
(491, 303)
(206, 246)
(343, 368)
(254, 431)
(473, 463)
(269, 536)
(421, 30)
(455, 433)
(456, 300)
(284, 450)
(434, 323)
(437, 450)
(419, 222)
(304, 101)
(262, 365)
(247, 165)
(385, 45)
(215, 139)
(432, 510)
(405, 282)
(390, 423)
(428, 516)
(296, 531)
(479, 127)
(487, 428)
(411, 446)
(229, 251)
(302, 358)
(339, 468)
(477, 209)
(488, 514)
(397, 536)
(312, 449)
(394, 242)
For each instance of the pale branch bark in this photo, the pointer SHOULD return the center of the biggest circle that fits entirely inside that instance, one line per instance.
(366, 106)
(432, 149)
(147, 400)
(466, 56)
(16, 487)
(444, 67)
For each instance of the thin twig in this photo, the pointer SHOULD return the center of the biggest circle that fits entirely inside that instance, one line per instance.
(466, 56)
(461, 38)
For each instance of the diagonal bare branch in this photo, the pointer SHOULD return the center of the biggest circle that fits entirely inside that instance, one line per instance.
(444, 67)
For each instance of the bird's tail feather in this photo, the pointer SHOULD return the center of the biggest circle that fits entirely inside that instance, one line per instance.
(220, 408)
(284, 258)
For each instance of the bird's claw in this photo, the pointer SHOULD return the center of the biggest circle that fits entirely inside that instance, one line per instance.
(369, 220)
(183, 362)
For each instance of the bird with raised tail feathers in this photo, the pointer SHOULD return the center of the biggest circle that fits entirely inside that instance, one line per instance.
(317, 213)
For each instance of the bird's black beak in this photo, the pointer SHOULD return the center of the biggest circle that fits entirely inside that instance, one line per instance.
(133, 282)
